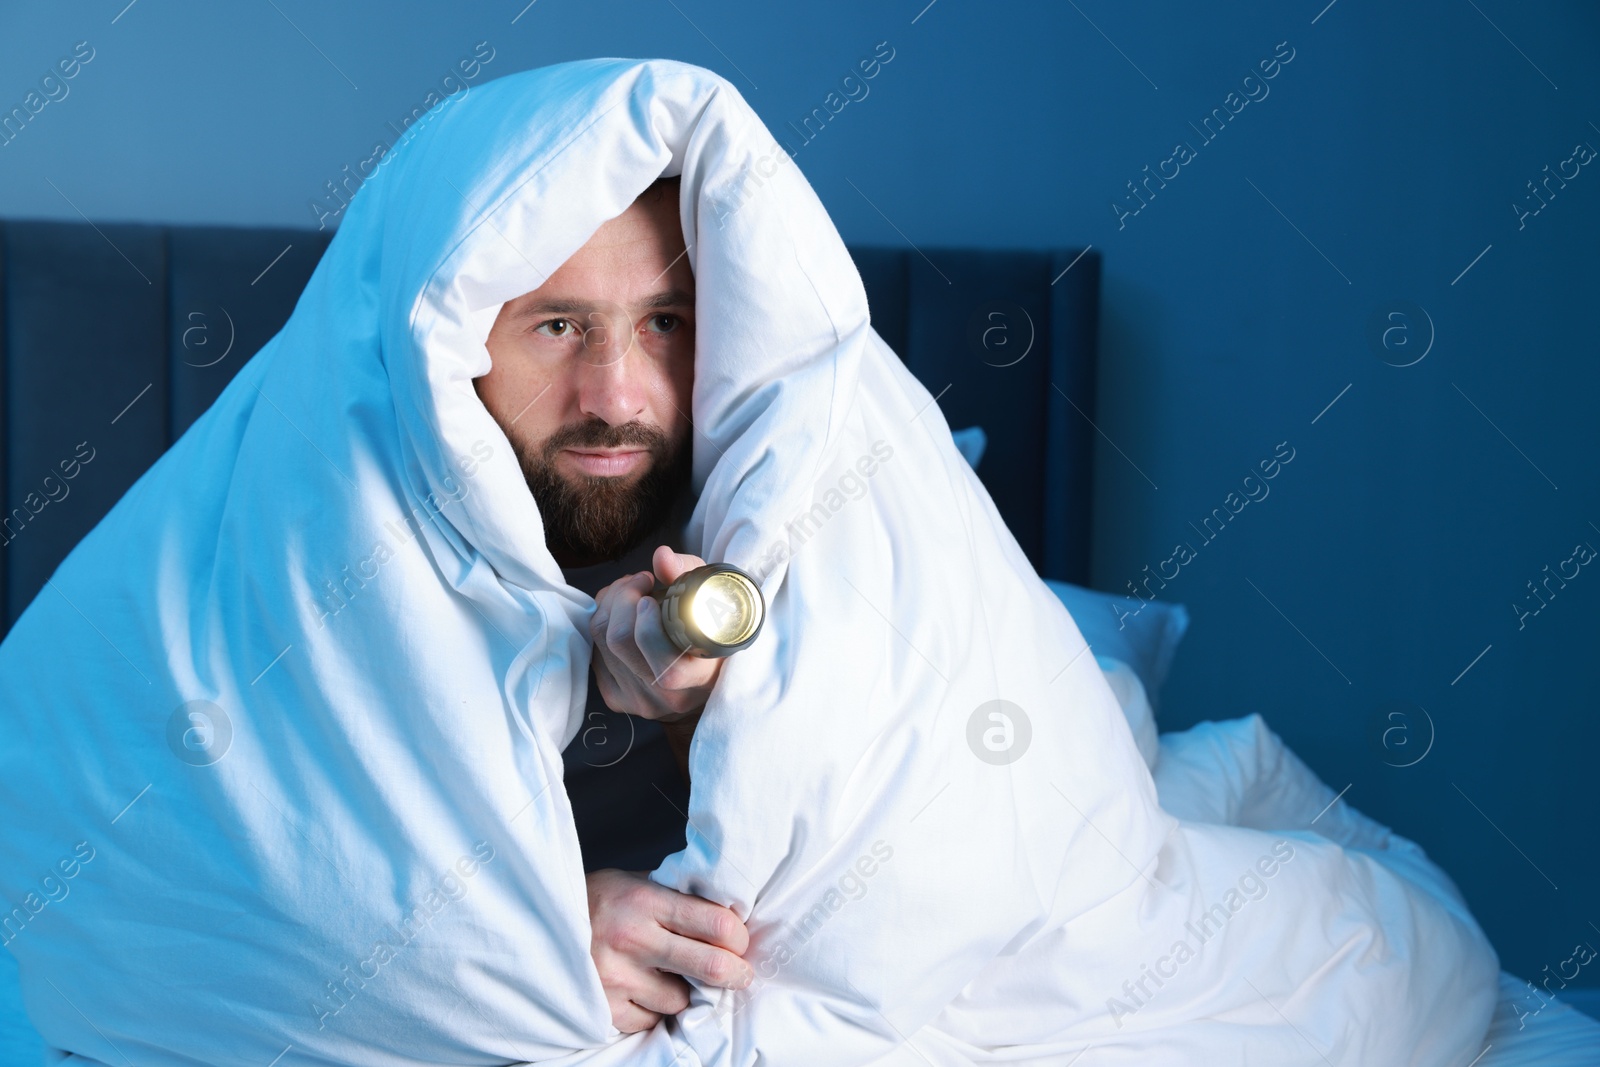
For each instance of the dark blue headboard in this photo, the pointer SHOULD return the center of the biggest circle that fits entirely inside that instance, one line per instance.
(115, 338)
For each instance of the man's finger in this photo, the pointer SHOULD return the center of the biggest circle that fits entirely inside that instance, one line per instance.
(695, 917)
(661, 655)
(606, 599)
(707, 963)
(670, 566)
(630, 1018)
(659, 992)
(620, 628)
(610, 692)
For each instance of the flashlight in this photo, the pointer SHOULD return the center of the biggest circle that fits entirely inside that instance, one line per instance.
(712, 611)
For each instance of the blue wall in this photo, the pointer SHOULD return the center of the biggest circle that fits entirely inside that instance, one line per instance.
(1375, 172)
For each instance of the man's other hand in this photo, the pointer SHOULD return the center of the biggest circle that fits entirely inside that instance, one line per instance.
(639, 670)
(643, 931)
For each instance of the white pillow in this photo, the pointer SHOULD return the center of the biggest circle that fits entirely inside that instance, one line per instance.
(1142, 633)
(1125, 683)
(970, 443)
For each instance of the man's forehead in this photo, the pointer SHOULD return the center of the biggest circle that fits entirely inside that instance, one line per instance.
(558, 302)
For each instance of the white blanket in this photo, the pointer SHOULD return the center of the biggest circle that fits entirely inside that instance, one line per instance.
(292, 713)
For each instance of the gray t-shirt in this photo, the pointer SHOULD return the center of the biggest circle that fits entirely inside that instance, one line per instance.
(597, 576)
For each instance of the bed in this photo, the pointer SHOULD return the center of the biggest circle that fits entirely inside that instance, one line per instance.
(115, 338)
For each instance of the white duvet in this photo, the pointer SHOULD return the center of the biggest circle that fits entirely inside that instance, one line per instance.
(292, 714)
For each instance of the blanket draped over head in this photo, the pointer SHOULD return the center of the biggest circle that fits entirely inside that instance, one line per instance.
(292, 714)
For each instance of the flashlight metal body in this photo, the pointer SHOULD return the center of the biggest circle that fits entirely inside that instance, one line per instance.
(713, 611)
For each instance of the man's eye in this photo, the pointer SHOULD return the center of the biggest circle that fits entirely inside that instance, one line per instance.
(566, 327)
(670, 321)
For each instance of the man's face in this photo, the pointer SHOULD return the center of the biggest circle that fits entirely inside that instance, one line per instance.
(591, 381)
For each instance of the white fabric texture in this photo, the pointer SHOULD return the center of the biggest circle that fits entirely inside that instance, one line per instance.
(1529, 1031)
(1240, 772)
(1135, 704)
(342, 558)
(1144, 634)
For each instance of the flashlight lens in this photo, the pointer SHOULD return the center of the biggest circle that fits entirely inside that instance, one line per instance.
(724, 609)
(713, 610)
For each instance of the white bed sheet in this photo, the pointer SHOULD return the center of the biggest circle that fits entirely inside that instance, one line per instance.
(1556, 1035)
(1238, 772)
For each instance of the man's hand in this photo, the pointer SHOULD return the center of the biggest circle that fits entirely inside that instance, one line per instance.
(643, 930)
(639, 670)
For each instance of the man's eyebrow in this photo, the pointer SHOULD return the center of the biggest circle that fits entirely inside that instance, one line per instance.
(669, 298)
(666, 298)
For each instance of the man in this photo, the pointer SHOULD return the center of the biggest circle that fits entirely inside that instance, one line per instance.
(592, 378)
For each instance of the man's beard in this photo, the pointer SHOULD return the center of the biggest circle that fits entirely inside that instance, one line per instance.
(594, 518)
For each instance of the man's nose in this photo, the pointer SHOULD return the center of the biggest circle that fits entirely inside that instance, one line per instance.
(610, 381)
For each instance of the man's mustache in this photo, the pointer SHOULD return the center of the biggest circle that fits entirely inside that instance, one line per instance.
(597, 433)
